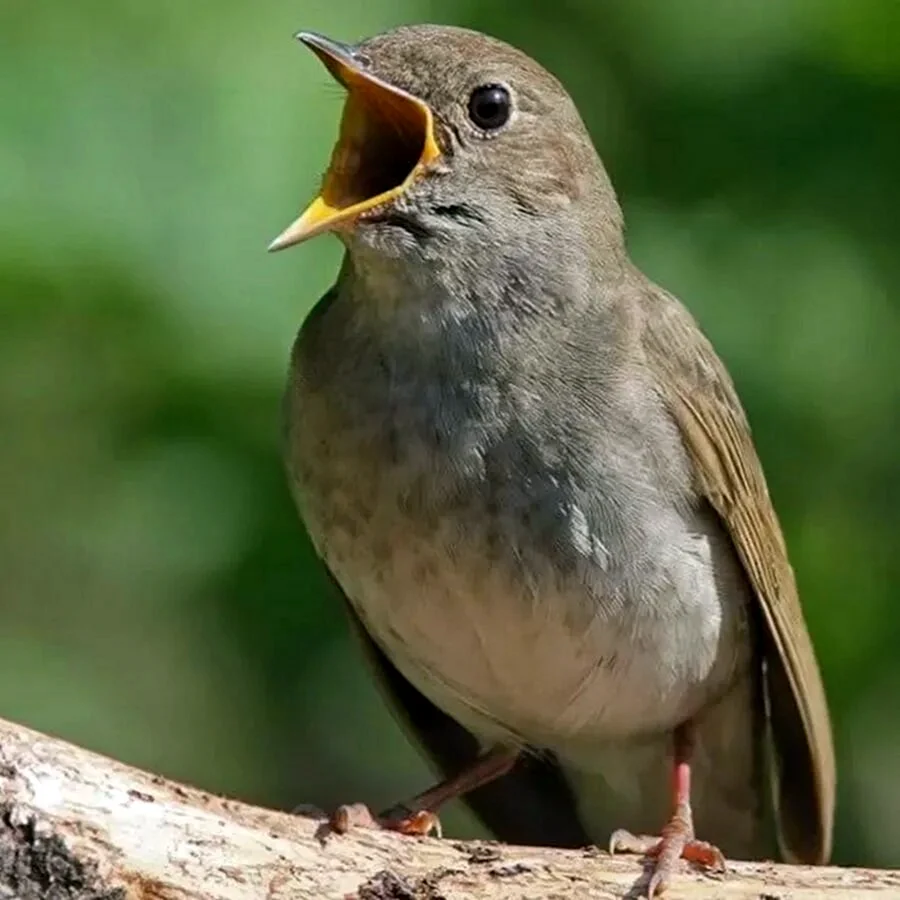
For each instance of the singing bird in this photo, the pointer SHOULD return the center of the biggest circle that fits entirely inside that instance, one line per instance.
(531, 478)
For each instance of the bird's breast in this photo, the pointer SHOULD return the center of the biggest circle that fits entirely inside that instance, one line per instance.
(518, 600)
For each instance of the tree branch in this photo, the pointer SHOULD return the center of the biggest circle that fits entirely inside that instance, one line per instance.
(78, 826)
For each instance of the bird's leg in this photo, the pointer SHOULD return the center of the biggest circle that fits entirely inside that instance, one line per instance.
(418, 816)
(677, 840)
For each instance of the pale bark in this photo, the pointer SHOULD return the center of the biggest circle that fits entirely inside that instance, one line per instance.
(78, 826)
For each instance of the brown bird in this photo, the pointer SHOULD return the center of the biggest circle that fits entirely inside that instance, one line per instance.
(530, 476)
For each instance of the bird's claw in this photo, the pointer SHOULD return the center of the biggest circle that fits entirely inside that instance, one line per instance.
(419, 823)
(622, 841)
(665, 851)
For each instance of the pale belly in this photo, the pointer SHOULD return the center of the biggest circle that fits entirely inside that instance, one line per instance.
(521, 651)
(537, 601)
(544, 586)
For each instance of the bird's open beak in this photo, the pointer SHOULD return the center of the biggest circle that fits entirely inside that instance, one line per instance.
(386, 139)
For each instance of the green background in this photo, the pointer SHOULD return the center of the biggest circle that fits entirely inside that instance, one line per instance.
(158, 600)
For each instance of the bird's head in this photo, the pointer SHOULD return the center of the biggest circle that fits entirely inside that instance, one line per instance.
(452, 142)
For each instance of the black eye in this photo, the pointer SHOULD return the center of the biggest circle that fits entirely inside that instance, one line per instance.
(490, 106)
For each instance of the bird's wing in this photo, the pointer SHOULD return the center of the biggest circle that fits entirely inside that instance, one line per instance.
(702, 399)
(533, 804)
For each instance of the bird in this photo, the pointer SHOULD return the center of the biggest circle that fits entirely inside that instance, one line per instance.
(532, 482)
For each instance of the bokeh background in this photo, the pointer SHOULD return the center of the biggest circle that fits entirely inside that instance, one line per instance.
(158, 599)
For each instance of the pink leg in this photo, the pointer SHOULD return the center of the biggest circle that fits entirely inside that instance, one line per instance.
(418, 816)
(677, 840)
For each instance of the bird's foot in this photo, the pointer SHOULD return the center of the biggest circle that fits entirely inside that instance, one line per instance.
(418, 823)
(417, 817)
(677, 842)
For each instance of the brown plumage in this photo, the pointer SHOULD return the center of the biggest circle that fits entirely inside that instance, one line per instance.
(715, 430)
(531, 479)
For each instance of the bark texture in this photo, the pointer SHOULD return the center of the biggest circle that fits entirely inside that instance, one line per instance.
(77, 826)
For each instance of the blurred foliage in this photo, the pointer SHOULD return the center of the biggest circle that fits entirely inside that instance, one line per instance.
(159, 601)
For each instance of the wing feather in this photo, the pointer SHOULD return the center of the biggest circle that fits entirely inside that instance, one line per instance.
(702, 399)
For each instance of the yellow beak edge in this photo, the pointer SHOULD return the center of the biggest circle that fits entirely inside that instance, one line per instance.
(386, 141)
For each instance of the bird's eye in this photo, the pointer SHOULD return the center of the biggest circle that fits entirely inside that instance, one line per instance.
(490, 106)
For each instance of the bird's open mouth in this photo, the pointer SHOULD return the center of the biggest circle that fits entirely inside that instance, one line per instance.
(386, 139)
